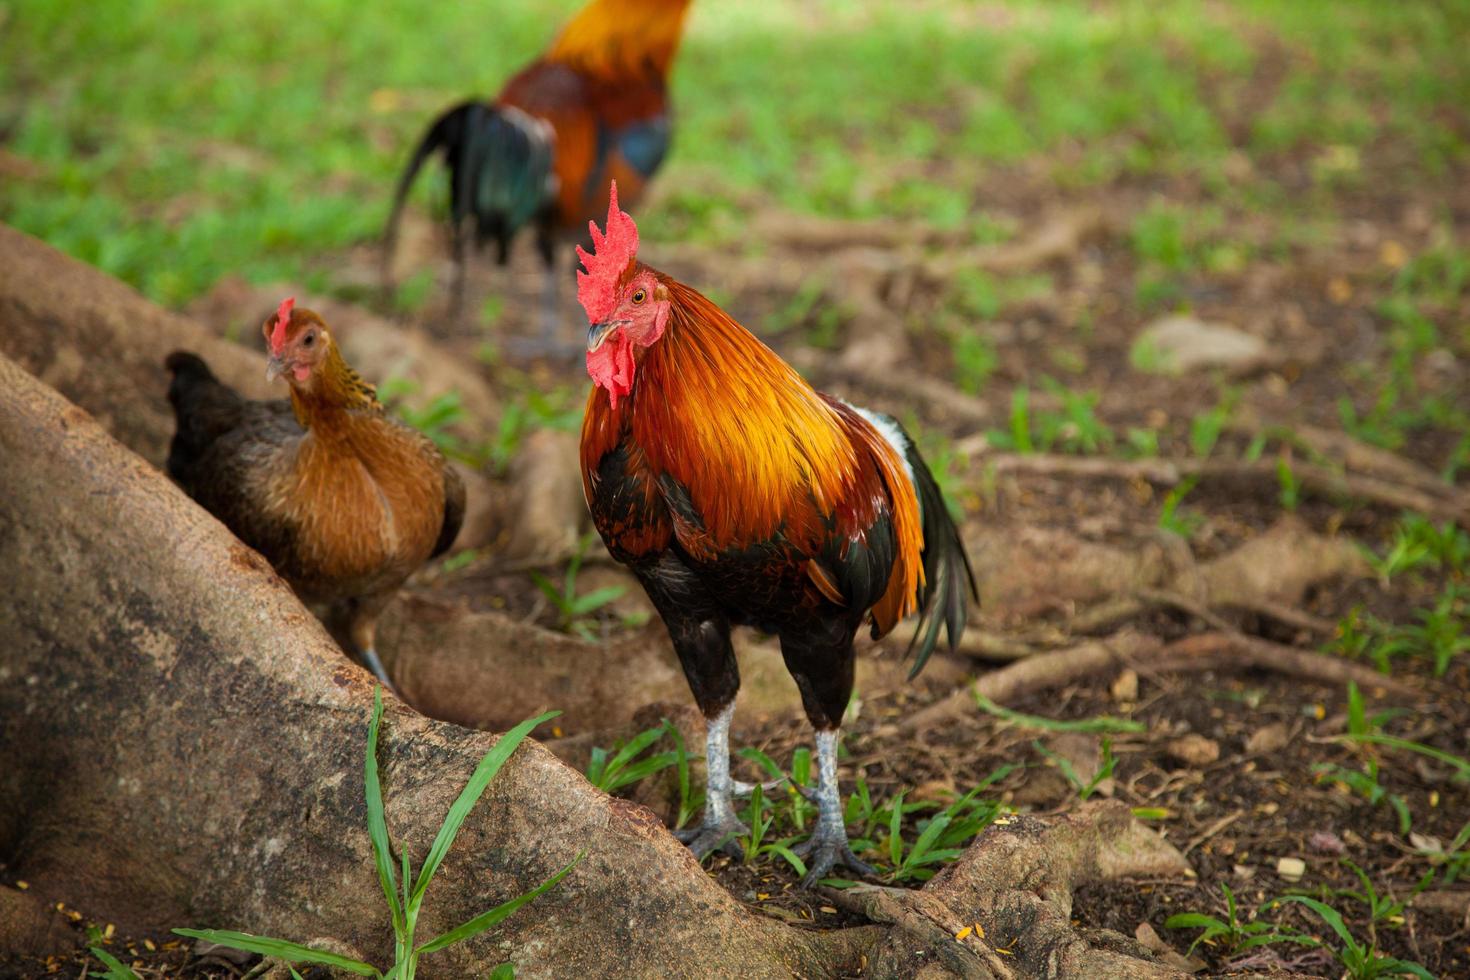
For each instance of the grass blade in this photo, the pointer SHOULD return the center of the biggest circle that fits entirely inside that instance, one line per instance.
(485, 920)
(1103, 725)
(115, 969)
(281, 949)
(487, 769)
(596, 599)
(1327, 914)
(1461, 765)
(377, 818)
(895, 824)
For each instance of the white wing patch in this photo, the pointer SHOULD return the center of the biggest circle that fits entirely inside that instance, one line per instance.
(893, 435)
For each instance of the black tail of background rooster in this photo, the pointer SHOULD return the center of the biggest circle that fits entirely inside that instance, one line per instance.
(500, 176)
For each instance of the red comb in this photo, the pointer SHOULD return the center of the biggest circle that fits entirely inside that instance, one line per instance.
(605, 264)
(283, 317)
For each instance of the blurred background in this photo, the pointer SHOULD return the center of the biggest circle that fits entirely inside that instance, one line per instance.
(1294, 170)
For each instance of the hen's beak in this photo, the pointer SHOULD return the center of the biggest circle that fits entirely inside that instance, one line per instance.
(599, 332)
(275, 367)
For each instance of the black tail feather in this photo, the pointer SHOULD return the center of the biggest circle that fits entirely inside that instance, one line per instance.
(445, 134)
(944, 597)
(499, 170)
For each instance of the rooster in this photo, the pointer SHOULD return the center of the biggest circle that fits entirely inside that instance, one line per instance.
(593, 107)
(739, 495)
(344, 501)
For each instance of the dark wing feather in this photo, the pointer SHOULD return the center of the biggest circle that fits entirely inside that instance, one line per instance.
(223, 447)
(454, 506)
(860, 566)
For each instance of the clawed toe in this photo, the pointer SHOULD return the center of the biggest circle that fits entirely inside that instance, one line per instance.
(743, 790)
(823, 852)
(705, 839)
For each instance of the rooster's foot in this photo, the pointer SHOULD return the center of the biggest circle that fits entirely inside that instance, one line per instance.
(827, 849)
(723, 835)
(742, 790)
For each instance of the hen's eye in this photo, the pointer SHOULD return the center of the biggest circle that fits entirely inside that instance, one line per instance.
(639, 296)
(308, 340)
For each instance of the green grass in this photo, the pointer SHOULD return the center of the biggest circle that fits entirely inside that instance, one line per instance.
(1358, 957)
(172, 144)
(404, 905)
(574, 608)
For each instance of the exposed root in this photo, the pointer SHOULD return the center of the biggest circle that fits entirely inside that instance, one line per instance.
(1015, 884)
(1260, 475)
(1285, 615)
(1034, 674)
(1223, 650)
(1345, 451)
(1236, 651)
(1183, 603)
(914, 914)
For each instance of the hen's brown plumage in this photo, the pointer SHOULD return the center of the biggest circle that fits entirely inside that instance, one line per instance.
(344, 501)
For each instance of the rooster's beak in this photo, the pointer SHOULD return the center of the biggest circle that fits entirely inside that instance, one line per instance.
(274, 368)
(599, 332)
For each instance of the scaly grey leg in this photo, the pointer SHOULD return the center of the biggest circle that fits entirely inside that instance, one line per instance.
(828, 845)
(721, 826)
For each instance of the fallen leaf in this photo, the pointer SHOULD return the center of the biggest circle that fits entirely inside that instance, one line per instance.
(1271, 738)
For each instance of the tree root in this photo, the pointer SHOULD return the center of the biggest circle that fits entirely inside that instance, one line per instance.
(1015, 884)
(1224, 650)
(1449, 504)
(914, 913)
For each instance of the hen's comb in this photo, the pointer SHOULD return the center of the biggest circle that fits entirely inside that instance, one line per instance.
(605, 264)
(283, 317)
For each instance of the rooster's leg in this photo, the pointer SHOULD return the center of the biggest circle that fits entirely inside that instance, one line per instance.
(828, 845)
(549, 341)
(721, 827)
(458, 245)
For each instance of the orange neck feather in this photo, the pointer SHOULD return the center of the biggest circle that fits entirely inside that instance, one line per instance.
(788, 465)
(332, 391)
(619, 37)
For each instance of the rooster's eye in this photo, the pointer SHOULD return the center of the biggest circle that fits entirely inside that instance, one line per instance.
(639, 296)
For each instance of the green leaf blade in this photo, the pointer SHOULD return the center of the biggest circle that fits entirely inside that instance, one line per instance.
(377, 815)
(485, 920)
(281, 949)
(459, 811)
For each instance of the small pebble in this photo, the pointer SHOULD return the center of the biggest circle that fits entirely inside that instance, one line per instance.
(1271, 738)
(1193, 750)
(1125, 688)
(1291, 869)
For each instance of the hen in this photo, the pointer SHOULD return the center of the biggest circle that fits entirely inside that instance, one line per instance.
(343, 500)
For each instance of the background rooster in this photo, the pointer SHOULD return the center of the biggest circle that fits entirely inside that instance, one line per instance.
(344, 501)
(541, 154)
(739, 495)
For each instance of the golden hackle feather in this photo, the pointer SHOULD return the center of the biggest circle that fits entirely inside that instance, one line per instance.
(622, 37)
